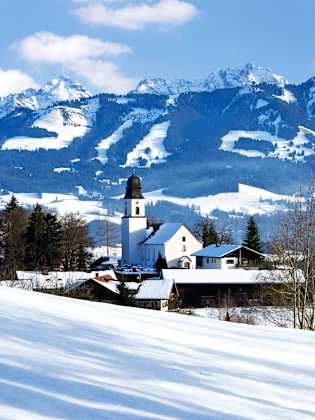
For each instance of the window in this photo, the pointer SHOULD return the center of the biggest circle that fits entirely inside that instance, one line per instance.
(125, 209)
(184, 238)
(184, 248)
(137, 211)
(230, 261)
(208, 260)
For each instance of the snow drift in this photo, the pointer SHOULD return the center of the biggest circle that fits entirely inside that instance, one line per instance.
(72, 359)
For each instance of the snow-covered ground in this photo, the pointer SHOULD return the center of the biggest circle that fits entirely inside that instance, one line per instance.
(248, 200)
(64, 123)
(64, 203)
(72, 359)
(295, 149)
(105, 144)
(150, 150)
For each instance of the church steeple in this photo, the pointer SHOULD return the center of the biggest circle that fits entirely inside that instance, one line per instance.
(133, 190)
(134, 222)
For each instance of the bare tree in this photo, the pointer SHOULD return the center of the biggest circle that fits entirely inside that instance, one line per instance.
(74, 243)
(292, 285)
(108, 232)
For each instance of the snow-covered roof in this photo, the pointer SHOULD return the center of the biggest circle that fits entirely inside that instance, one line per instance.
(165, 232)
(112, 285)
(58, 279)
(155, 289)
(219, 251)
(219, 276)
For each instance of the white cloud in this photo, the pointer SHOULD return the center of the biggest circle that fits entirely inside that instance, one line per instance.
(14, 81)
(89, 58)
(137, 16)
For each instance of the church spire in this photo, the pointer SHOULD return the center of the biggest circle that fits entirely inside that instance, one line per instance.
(133, 190)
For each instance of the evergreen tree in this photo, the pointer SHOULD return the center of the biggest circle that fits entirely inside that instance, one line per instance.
(13, 227)
(210, 235)
(125, 296)
(36, 239)
(160, 263)
(252, 237)
(53, 237)
(13, 204)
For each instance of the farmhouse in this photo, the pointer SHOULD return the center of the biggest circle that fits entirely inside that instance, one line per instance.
(227, 256)
(142, 245)
(217, 287)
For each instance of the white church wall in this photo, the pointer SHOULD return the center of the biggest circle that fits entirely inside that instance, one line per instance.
(133, 233)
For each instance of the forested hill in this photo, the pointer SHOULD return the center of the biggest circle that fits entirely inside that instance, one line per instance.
(244, 125)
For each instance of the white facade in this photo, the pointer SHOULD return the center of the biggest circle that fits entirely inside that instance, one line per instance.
(219, 263)
(134, 227)
(176, 249)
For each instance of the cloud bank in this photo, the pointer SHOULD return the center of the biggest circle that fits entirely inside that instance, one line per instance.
(136, 17)
(90, 58)
(14, 81)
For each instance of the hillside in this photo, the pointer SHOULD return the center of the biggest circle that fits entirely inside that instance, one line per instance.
(191, 138)
(71, 359)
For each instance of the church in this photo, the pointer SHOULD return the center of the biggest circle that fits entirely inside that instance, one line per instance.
(142, 244)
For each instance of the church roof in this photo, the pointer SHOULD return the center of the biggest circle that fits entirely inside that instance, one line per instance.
(165, 232)
(220, 251)
(133, 190)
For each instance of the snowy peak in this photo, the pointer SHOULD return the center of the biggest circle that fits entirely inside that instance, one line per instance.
(57, 90)
(221, 79)
(243, 76)
(65, 89)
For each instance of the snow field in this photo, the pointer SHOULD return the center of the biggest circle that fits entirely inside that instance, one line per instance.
(151, 148)
(72, 359)
(299, 145)
(248, 200)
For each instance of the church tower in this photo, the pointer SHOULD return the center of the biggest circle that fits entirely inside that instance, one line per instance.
(134, 222)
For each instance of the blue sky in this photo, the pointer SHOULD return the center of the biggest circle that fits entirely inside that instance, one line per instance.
(110, 44)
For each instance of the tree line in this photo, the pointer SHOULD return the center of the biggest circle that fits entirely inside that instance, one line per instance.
(207, 232)
(37, 239)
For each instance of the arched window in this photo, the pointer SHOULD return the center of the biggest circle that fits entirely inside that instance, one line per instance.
(137, 211)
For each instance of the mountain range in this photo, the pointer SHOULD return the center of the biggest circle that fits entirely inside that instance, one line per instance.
(243, 125)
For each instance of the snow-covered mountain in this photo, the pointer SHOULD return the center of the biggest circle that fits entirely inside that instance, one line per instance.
(245, 76)
(57, 90)
(238, 126)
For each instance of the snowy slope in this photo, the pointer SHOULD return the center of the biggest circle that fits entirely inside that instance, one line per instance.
(150, 150)
(248, 200)
(294, 149)
(72, 359)
(63, 123)
(105, 144)
(64, 204)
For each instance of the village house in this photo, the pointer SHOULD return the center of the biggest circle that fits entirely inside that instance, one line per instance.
(227, 256)
(217, 287)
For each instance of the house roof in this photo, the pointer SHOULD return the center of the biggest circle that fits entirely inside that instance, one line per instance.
(220, 251)
(59, 279)
(228, 276)
(165, 232)
(155, 289)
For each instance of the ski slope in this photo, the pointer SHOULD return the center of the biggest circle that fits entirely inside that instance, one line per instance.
(72, 359)
(247, 200)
